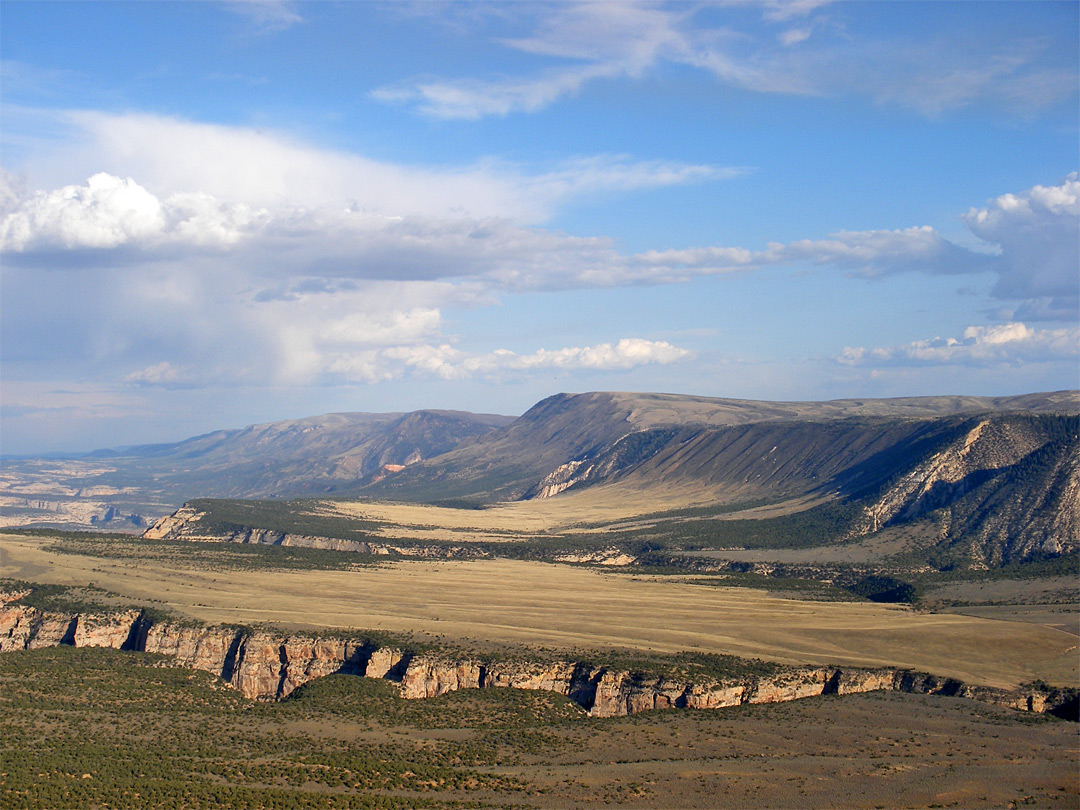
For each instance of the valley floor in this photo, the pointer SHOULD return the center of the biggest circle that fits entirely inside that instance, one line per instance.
(567, 607)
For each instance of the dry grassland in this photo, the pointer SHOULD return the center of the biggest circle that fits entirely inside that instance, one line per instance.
(567, 607)
(1006, 591)
(868, 549)
(610, 505)
(1064, 617)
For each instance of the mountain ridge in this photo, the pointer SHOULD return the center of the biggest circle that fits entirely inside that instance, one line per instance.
(998, 474)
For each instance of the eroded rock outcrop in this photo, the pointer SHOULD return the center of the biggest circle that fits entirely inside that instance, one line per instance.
(186, 523)
(1006, 487)
(612, 556)
(104, 630)
(264, 665)
(386, 662)
(432, 676)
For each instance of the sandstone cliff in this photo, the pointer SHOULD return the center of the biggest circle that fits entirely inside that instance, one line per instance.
(187, 523)
(265, 665)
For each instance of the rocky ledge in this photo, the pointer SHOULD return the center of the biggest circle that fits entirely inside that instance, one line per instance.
(266, 665)
(186, 524)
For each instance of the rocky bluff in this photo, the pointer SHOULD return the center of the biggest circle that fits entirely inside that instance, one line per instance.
(265, 665)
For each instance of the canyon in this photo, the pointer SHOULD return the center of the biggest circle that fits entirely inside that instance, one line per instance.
(265, 664)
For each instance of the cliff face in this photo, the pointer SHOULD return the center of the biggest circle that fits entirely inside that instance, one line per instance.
(430, 677)
(268, 666)
(187, 523)
(1008, 488)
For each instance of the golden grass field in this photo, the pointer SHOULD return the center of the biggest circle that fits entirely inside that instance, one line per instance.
(569, 607)
(607, 505)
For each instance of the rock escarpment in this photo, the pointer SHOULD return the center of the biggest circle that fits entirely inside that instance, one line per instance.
(265, 665)
(1007, 487)
(187, 523)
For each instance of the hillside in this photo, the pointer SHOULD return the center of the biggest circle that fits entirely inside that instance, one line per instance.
(988, 480)
(552, 446)
(128, 487)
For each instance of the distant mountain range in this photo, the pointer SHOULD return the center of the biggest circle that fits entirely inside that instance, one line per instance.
(1001, 474)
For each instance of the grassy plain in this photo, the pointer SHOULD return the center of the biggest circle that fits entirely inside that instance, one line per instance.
(510, 601)
(102, 728)
(607, 506)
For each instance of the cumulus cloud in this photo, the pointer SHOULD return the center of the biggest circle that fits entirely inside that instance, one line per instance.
(316, 246)
(106, 212)
(605, 41)
(110, 212)
(1010, 343)
(1033, 248)
(1032, 240)
(311, 357)
(271, 283)
(1037, 233)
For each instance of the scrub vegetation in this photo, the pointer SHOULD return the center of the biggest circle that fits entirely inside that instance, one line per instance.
(103, 728)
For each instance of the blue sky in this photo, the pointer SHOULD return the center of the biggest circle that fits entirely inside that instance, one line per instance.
(215, 214)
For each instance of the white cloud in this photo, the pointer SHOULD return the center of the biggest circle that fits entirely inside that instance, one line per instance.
(1038, 234)
(470, 100)
(785, 10)
(279, 280)
(935, 77)
(1032, 236)
(383, 327)
(605, 41)
(793, 36)
(267, 15)
(110, 212)
(1033, 248)
(306, 356)
(106, 212)
(158, 374)
(869, 253)
(1010, 343)
(449, 363)
(273, 171)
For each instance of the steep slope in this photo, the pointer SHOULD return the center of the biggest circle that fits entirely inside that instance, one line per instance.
(572, 440)
(304, 456)
(509, 461)
(998, 475)
(1007, 489)
(316, 455)
(761, 459)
